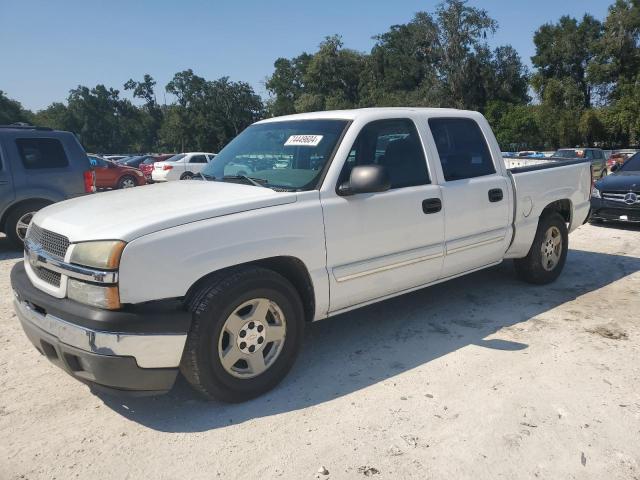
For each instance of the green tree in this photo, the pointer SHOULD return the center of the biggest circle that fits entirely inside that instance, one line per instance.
(565, 50)
(151, 113)
(286, 85)
(11, 111)
(591, 127)
(617, 61)
(332, 76)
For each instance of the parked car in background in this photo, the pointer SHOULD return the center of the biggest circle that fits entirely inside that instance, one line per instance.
(594, 155)
(530, 154)
(134, 162)
(113, 175)
(38, 167)
(146, 167)
(217, 279)
(183, 166)
(617, 196)
(114, 158)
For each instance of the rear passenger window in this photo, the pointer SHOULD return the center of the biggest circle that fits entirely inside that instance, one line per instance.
(462, 149)
(393, 144)
(198, 159)
(38, 153)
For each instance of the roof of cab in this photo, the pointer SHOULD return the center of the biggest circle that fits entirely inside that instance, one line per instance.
(370, 112)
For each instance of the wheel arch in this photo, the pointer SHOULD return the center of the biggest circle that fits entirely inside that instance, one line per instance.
(18, 204)
(564, 207)
(291, 268)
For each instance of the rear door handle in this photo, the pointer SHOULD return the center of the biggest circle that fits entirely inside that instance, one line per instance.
(495, 195)
(431, 205)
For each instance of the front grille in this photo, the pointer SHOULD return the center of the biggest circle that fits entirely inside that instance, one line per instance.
(52, 278)
(52, 243)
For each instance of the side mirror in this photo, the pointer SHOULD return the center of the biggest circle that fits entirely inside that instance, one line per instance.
(366, 179)
(615, 167)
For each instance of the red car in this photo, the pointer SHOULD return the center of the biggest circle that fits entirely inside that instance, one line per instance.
(146, 167)
(113, 175)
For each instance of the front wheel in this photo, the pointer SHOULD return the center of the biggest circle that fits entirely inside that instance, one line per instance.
(548, 253)
(245, 335)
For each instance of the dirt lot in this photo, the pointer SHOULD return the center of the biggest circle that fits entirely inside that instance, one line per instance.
(481, 377)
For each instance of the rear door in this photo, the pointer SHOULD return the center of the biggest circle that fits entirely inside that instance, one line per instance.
(197, 163)
(7, 191)
(475, 197)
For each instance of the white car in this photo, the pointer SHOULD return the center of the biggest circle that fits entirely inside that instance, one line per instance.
(371, 204)
(183, 166)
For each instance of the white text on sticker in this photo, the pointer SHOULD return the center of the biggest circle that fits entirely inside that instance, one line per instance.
(303, 140)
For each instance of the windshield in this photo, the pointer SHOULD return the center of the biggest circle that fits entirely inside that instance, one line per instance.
(289, 154)
(149, 161)
(631, 165)
(176, 158)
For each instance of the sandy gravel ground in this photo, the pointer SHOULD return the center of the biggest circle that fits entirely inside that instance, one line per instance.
(483, 377)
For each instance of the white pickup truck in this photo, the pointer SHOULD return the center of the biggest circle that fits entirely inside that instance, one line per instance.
(218, 277)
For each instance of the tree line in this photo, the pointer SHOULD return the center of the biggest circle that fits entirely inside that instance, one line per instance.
(584, 88)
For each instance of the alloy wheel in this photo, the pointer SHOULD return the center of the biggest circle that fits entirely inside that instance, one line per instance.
(551, 248)
(252, 338)
(23, 225)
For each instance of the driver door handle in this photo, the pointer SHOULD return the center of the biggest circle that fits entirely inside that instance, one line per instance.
(431, 205)
(495, 195)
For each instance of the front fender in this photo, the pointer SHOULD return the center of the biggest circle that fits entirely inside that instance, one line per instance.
(167, 263)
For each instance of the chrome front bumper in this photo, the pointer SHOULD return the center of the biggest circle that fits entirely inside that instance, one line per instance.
(148, 350)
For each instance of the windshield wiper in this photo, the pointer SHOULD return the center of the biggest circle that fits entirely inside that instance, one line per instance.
(252, 181)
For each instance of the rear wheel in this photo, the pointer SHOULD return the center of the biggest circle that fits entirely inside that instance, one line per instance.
(246, 333)
(18, 221)
(548, 253)
(127, 182)
(187, 176)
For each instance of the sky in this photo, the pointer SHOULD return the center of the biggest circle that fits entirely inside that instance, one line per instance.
(49, 47)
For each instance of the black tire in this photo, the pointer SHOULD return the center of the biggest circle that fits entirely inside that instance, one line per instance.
(211, 305)
(15, 215)
(530, 268)
(187, 176)
(122, 183)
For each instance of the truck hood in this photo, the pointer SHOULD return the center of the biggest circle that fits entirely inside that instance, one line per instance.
(129, 214)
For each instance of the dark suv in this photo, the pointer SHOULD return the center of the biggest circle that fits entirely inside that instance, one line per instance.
(38, 167)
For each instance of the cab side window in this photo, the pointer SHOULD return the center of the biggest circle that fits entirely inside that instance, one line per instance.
(39, 153)
(395, 145)
(462, 148)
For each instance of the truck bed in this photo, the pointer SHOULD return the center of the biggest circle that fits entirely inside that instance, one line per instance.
(536, 183)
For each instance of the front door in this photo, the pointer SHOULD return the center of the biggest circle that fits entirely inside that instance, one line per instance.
(383, 243)
(474, 197)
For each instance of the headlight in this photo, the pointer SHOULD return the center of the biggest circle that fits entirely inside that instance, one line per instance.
(96, 295)
(595, 193)
(103, 254)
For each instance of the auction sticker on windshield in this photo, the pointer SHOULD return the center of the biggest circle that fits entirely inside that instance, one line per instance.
(303, 141)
